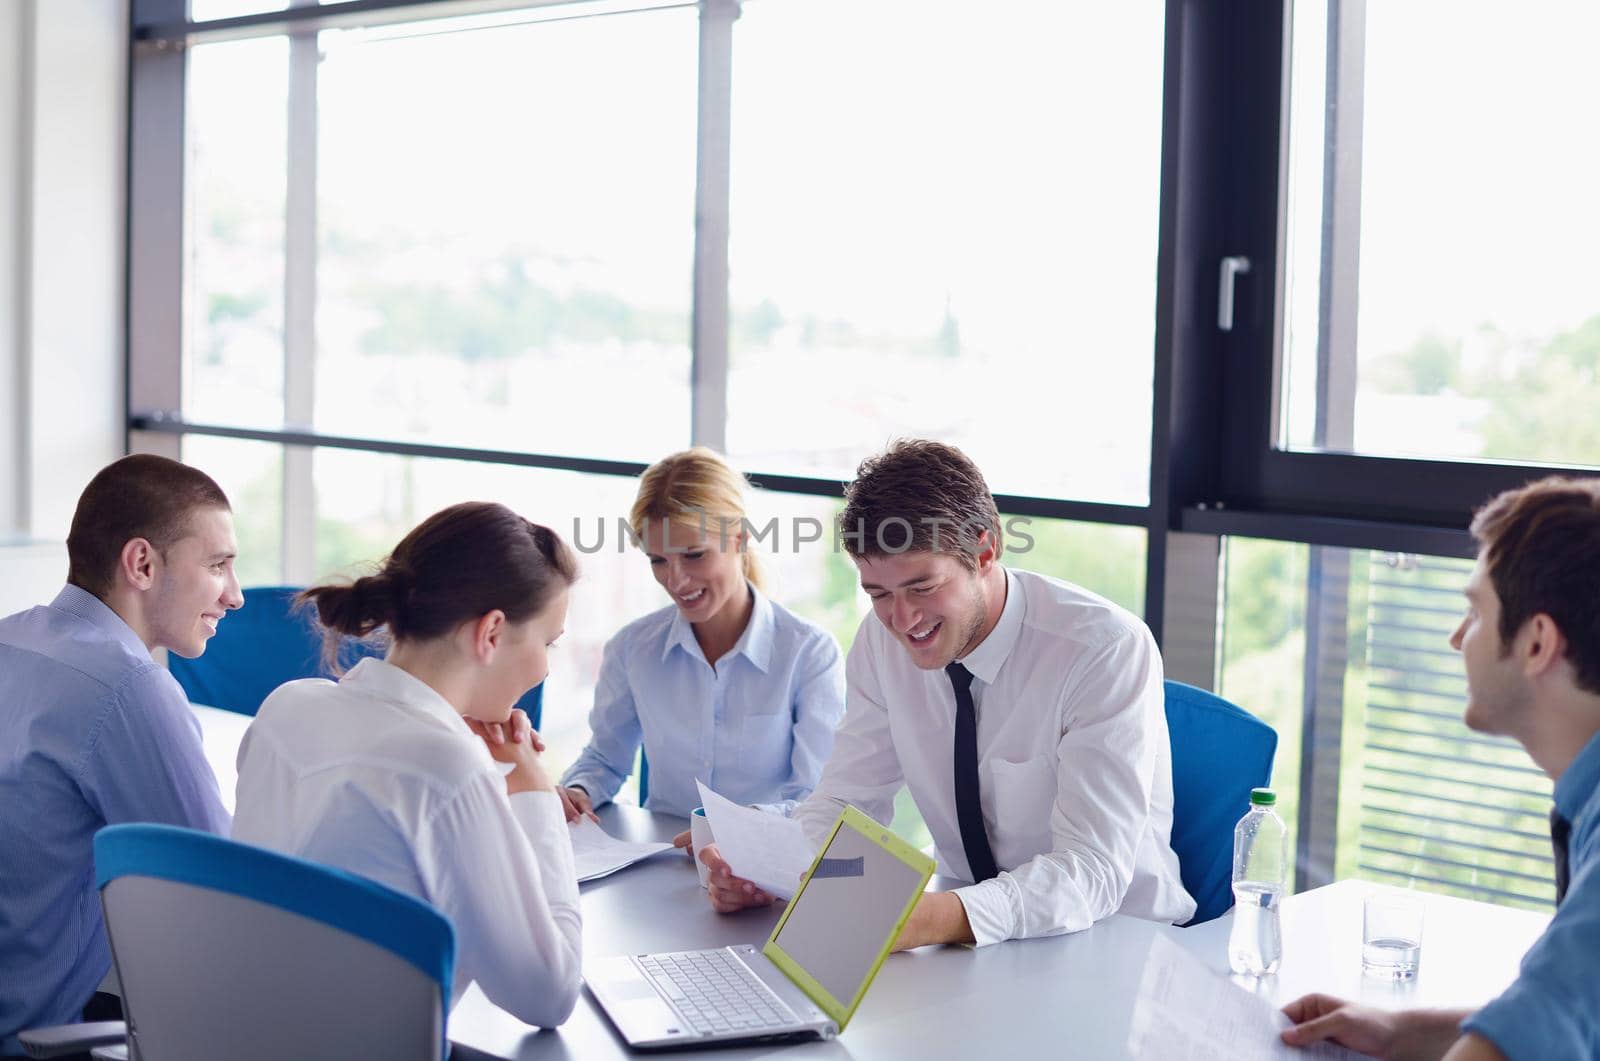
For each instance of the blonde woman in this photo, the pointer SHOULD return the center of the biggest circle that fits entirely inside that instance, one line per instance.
(724, 684)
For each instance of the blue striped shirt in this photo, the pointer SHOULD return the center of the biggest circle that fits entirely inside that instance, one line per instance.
(92, 732)
(756, 728)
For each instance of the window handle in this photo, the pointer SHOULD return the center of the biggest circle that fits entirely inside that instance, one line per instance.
(1232, 266)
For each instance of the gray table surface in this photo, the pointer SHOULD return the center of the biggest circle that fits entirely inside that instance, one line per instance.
(1062, 997)
(1065, 996)
(932, 1002)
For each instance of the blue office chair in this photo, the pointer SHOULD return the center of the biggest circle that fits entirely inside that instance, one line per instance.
(268, 642)
(644, 777)
(1219, 753)
(227, 950)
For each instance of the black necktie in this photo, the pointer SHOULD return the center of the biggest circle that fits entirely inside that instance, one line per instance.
(969, 811)
(1560, 831)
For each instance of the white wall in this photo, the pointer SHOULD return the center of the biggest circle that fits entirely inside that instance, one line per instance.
(62, 158)
(13, 423)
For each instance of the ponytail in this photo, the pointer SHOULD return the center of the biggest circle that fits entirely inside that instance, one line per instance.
(460, 563)
(359, 608)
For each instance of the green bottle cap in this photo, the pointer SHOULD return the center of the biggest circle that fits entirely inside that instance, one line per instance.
(1263, 797)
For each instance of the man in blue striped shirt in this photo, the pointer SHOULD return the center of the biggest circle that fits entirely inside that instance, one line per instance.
(93, 731)
(1530, 643)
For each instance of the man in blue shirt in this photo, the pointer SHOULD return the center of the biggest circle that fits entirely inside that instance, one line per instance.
(92, 730)
(1530, 643)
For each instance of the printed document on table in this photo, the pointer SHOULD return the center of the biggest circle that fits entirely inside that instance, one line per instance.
(768, 850)
(599, 854)
(1187, 1012)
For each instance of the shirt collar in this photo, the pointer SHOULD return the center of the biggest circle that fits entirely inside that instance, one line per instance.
(992, 652)
(382, 680)
(1580, 782)
(75, 600)
(755, 644)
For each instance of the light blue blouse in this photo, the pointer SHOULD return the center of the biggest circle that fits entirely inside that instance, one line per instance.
(756, 728)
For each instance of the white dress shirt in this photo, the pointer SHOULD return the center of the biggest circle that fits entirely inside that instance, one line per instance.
(1074, 765)
(379, 775)
(756, 728)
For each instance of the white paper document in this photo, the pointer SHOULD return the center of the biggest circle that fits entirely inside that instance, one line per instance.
(1187, 1012)
(768, 850)
(600, 854)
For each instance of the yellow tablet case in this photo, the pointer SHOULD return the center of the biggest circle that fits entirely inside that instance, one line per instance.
(840, 1010)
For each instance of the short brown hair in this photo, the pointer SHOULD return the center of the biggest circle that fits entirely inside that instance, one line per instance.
(1541, 546)
(918, 496)
(459, 563)
(139, 496)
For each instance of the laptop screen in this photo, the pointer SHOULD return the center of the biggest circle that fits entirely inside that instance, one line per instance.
(846, 912)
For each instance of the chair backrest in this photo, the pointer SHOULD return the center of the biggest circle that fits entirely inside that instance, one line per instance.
(227, 950)
(1219, 753)
(256, 649)
(268, 642)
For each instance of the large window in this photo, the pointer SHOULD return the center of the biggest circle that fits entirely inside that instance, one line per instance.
(952, 228)
(507, 238)
(205, 10)
(494, 243)
(251, 474)
(1242, 308)
(1443, 283)
(235, 270)
(1395, 789)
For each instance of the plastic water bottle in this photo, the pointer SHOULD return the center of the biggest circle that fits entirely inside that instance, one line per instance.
(1260, 877)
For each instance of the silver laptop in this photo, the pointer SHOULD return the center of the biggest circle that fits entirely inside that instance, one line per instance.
(808, 979)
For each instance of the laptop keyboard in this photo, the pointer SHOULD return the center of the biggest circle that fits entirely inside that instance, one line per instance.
(715, 992)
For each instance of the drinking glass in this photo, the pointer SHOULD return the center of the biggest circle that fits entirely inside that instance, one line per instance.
(1391, 936)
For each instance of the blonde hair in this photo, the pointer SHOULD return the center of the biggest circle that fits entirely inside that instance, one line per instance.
(699, 489)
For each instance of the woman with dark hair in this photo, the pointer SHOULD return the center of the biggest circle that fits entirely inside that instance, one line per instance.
(390, 772)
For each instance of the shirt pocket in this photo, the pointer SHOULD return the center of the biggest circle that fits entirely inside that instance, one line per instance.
(1021, 795)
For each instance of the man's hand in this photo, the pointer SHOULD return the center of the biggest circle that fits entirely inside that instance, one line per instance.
(939, 917)
(1415, 1035)
(576, 803)
(727, 892)
(685, 839)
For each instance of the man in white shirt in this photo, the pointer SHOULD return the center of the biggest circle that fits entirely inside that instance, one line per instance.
(1025, 715)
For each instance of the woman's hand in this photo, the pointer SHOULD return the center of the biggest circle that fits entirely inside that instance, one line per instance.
(515, 741)
(685, 839)
(576, 803)
(513, 731)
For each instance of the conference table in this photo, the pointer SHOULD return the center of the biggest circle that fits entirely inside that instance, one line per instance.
(1070, 996)
(1063, 997)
